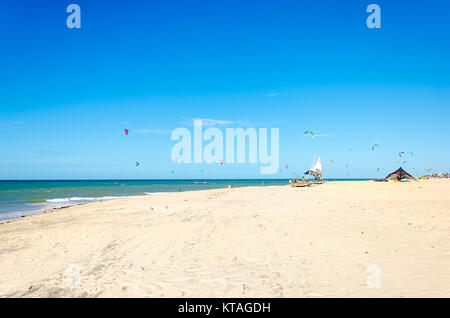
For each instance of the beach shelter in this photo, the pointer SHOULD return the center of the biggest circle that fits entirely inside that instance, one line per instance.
(399, 174)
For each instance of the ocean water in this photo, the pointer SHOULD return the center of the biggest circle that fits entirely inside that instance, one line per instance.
(21, 198)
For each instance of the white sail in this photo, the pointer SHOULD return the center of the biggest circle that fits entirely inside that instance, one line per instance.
(316, 169)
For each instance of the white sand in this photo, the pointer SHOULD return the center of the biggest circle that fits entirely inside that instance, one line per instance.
(246, 242)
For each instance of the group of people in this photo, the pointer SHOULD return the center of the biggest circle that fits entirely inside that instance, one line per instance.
(296, 180)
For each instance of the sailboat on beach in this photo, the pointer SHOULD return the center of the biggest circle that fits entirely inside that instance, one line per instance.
(315, 171)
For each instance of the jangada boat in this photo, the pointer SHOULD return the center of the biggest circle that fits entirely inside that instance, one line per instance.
(315, 171)
(299, 183)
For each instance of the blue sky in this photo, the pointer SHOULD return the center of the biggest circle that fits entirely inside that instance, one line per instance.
(151, 66)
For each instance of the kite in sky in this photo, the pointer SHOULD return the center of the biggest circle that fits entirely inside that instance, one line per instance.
(309, 132)
(137, 164)
(401, 153)
(126, 132)
(374, 145)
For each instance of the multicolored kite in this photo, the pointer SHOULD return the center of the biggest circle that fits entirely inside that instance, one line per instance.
(309, 132)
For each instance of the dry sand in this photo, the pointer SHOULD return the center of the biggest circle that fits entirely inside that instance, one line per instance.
(245, 242)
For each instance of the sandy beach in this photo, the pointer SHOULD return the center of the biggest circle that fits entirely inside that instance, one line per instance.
(274, 241)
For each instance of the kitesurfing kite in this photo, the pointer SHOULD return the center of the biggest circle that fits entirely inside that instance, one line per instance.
(126, 131)
(401, 153)
(399, 175)
(374, 145)
(137, 164)
(309, 132)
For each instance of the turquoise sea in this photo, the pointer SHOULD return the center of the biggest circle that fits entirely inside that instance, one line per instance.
(21, 198)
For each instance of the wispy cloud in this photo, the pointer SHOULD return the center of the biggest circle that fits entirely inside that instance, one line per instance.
(318, 135)
(208, 122)
(272, 94)
(14, 122)
(53, 152)
(150, 131)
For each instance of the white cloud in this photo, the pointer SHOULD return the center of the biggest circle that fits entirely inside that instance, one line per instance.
(14, 122)
(208, 122)
(319, 135)
(150, 131)
(272, 94)
(53, 152)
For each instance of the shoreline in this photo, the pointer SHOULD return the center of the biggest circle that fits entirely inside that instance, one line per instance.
(24, 198)
(113, 199)
(271, 241)
(17, 214)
